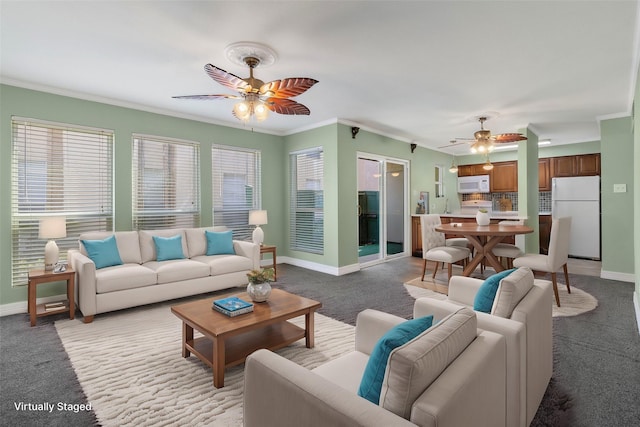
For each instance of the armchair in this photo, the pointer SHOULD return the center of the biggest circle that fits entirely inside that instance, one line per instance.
(467, 366)
(527, 331)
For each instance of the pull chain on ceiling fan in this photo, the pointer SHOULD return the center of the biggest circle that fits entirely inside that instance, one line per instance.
(257, 98)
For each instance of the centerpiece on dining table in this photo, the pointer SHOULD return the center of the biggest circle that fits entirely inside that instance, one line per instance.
(482, 217)
(259, 287)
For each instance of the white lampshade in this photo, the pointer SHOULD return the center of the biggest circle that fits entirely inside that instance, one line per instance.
(257, 217)
(54, 227)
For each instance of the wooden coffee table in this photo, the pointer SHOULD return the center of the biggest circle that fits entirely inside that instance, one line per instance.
(228, 340)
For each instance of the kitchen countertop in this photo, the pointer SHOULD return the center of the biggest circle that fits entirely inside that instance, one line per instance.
(513, 215)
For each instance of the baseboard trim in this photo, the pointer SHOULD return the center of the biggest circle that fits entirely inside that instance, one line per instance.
(21, 307)
(322, 268)
(616, 275)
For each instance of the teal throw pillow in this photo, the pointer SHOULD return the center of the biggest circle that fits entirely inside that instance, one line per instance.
(487, 292)
(103, 253)
(219, 242)
(168, 247)
(371, 383)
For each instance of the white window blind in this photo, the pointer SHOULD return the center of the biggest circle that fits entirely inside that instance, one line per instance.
(236, 188)
(166, 185)
(57, 170)
(307, 201)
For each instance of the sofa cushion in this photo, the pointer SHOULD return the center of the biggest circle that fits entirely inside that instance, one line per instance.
(127, 241)
(223, 264)
(412, 367)
(487, 291)
(511, 291)
(126, 276)
(103, 253)
(373, 375)
(147, 246)
(197, 241)
(168, 247)
(219, 243)
(178, 270)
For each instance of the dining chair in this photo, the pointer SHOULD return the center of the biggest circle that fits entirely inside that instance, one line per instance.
(434, 247)
(557, 257)
(508, 251)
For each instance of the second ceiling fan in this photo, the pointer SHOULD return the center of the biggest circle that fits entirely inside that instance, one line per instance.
(483, 141)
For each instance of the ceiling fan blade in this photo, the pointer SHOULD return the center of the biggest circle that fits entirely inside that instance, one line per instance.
(286, 106)
(287, 88)
(454, 143)
(225, 78)
(207, 97)
(509, 137)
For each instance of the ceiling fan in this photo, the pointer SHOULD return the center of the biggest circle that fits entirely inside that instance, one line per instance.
(258, 97)
(483, 141)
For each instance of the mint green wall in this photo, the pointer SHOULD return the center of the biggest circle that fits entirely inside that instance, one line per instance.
(422, 178)
(617, 208)
(125, 121)
(325, 137)
(636, 192)
(528, 188)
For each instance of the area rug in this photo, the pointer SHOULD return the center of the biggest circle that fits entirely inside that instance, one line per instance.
(571, 304)
(130, 367)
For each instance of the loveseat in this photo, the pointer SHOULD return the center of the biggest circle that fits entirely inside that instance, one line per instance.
(144, 267)
(522, 313)
(450, 375)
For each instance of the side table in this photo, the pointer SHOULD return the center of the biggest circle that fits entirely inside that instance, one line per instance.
(40, 276)
(264, 249)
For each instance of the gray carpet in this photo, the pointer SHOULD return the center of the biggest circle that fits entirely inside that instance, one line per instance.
(596, 363)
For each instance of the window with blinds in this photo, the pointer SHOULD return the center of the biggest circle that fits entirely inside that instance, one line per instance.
(307, 201)
(236, 188)
(57, 170)
(166, 185)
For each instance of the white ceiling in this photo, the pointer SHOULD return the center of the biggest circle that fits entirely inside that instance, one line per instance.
(421, 71)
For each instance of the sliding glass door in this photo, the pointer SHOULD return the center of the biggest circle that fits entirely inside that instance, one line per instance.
(382, 208)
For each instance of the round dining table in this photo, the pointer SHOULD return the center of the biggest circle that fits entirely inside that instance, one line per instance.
(483, 238)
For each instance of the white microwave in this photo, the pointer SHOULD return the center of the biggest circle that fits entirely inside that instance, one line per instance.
(473, 184)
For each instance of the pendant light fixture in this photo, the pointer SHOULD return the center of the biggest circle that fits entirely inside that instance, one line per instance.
(454, 167)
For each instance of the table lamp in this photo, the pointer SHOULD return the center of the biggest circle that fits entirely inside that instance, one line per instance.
(258, 218)
(52, 227)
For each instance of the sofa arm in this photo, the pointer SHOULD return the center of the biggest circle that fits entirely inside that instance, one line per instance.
(371, 325)
(249, 250)
(280, 393)
(440, 309)
(85, 281)
(463, 289)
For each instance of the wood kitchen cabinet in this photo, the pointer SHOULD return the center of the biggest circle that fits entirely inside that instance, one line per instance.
(544, 175)
(579, 165)
(504, 177)
(588, 165)
(472, 170)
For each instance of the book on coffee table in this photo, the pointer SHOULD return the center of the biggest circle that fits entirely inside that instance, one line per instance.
(232, 306)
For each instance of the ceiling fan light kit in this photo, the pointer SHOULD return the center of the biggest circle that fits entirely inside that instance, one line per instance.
(257, 97)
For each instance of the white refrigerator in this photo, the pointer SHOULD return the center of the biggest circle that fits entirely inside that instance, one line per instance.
(579, 198)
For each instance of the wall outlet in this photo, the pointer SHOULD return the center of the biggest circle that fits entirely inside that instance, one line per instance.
(619, 188)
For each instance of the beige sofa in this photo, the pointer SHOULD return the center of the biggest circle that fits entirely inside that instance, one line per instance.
(451, 375)
(141, 279)
(527, 329)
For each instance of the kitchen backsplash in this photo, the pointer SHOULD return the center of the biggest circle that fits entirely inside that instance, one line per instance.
(501, 201)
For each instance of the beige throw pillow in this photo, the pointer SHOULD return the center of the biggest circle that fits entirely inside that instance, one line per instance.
(412, 368)
(511, 290)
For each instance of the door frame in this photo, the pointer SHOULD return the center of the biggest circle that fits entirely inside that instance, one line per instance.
(384, 257)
